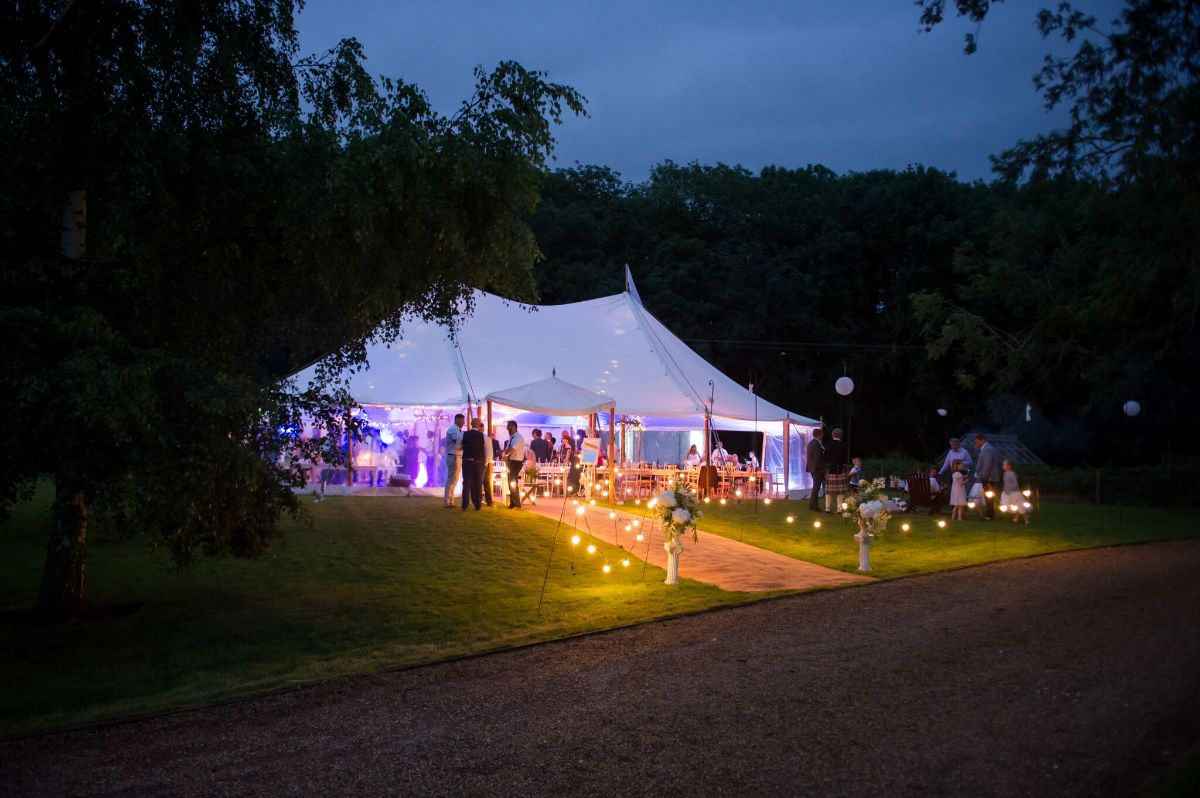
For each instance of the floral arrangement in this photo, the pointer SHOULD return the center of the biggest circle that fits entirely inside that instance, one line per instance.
(870, 507)
(677, 510)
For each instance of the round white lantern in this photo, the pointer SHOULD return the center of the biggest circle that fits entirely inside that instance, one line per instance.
(844, 386)
(943, 412)
(1132, 408)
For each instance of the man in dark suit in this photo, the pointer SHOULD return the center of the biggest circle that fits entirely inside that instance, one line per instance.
(987, 474)
(473, 460)
(814, 464)
(540, 446)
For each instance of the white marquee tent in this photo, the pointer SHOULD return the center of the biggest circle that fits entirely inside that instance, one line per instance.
(612, 346)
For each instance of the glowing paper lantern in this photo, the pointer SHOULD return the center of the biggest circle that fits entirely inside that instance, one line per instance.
(844, 386)
(1132, 408)
(941, 411)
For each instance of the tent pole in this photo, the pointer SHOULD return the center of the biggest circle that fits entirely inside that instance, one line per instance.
(622, 439)
(612, 453)
(787, 457)
(489, 422)
(349, 460)
(707, 453)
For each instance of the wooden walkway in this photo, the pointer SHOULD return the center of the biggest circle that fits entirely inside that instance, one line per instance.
(717, 560)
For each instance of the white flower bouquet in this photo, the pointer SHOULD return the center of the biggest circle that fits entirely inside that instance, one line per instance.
(869, 508)
(678, 511)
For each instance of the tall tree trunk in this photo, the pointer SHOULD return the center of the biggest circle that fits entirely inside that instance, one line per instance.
(61, 591)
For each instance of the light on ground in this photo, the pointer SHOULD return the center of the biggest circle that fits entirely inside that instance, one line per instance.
(816, 524)
(941, 524)
(904, 527)
(791, 519)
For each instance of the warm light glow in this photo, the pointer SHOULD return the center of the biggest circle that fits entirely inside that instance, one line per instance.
(1027, 493)
(637, 501)
(791, 519)
(640, 537)
(592, 502)
(628, 528)
(751, 479)
(512, 483)
(574, 540)
(598, 486)
(970, 505)
(651, 503)
(766, 501)
(625, 562)
(707, 500)
(580, 510)
(557, 481)
(607, 568)
(989, 494)
(738, 493)
(722, 501)
(1027, 505)
(612, 514)
(941, 524)
(605, 494)
(636, 522)
(904, 527)
(845, 505)
(591, 548)
(816, 524)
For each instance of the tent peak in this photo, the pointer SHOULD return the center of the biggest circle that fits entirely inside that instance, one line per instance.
(630, 288)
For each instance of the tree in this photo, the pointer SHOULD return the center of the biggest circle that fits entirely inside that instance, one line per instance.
(1085, 290)
(230, 211)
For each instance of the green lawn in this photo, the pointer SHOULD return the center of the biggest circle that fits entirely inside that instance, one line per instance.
(925, 547)
(380, 582)
(372, 583)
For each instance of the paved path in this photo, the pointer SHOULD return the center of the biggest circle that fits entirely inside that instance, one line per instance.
(1069, 675)
(717, 560)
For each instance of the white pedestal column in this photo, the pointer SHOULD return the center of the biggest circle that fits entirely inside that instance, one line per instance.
(673, 549)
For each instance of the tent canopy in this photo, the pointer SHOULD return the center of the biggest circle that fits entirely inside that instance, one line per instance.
(611, 346)
(552, 397)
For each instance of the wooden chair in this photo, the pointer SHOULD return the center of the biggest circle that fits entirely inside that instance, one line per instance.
(921, 494)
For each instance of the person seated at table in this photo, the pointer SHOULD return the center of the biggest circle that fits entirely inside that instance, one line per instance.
(752, 461)
(693, 457)
(937, 493)
(718, 455)
(732, 461)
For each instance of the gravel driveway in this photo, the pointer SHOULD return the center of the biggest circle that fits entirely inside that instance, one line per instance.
(1072, 674)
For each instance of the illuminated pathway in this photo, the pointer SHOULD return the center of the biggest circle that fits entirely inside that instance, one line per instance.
(717, 560)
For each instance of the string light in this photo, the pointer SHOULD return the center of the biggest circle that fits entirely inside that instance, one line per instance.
(607, 568)
(707, 500)
(990, 494)
(722, 501)
(904, 527)
(580, 510)
(767, 501)
(575, 540)
(628, 528)
(591, 548)
(611, 515)
(1004, 508)
(1027, 505)
(625, 562)
(971, 505)
(636, 522)
(592, 502)
(1027, 493)
(738, 493)
(640, 537)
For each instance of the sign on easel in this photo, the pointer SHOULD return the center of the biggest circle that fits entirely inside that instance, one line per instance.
(589, 454)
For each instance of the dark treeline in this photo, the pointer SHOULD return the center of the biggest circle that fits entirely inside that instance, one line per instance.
(928, 292)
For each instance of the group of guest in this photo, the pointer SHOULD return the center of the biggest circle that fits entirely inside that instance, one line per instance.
(720, 458)
(989, 473)
(826, 462)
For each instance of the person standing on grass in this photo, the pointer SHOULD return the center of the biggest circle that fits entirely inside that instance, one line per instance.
(957, 454)
(814, 464)
(474, 457)
(835, 471)
(1011, 495)
(958, 490)
(514, 456)
(987, 474)
(453, 459)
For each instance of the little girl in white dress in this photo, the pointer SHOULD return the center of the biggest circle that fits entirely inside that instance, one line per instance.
(958, 491)
(1011, 496)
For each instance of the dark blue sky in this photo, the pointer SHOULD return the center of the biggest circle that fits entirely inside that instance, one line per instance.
(850, 85)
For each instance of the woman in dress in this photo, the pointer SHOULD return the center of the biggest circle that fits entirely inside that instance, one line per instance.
(693, 457)
(412, 457)
(958, 490)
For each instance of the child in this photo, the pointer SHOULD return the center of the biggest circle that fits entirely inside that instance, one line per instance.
(856, 473)
(958, 490)
(1011, 496)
